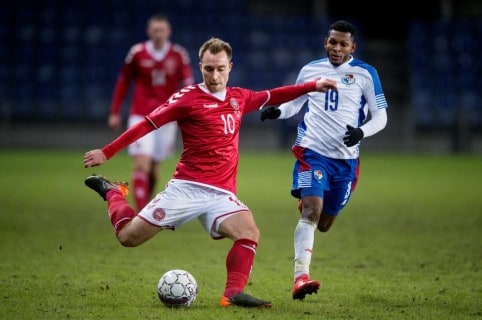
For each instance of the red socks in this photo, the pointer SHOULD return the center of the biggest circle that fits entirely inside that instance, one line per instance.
(239, 263)
(140, 181)
(120, 212)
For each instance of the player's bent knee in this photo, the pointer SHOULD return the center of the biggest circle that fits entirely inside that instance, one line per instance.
(250, 233)
(240, 226)
(128, 240)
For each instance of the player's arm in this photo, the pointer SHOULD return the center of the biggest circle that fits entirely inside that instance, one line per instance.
(121, 89)
(285, 110)
(171, 110)
(185, 73)
(377, 106)
(97, 157)
(287, 93)
(377, 122)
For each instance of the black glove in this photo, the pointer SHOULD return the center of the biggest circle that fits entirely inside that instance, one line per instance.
(270, 113)
(352, 136)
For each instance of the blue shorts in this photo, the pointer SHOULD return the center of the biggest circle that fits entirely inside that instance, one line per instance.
(333, 180)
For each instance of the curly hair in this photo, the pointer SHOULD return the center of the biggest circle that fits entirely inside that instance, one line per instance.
(342, 26)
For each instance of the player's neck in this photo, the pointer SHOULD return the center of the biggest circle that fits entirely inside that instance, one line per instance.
(220, 95)
(158, 45)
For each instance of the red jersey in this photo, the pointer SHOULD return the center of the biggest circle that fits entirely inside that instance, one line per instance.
(210, 129)
(156, 75)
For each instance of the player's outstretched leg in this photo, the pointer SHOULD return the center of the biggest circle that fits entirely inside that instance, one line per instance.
(303, 286)
(244, 300)
(120, 213)
(101, 185)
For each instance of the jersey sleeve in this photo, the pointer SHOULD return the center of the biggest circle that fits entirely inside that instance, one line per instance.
(377, 122)
(376, 102)
(291, 108)
(279, 95)
(124, 79)
(175, 108)
(373, 91)
(127, 137)
(185, 72)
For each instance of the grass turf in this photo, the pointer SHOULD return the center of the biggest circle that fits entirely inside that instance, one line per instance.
(407, 246)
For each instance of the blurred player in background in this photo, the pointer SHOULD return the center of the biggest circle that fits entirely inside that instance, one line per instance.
(157, 67)
(327, 145)
(209, 115)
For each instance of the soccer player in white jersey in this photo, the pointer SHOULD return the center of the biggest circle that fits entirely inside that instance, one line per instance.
(204, 183)
(328, 139)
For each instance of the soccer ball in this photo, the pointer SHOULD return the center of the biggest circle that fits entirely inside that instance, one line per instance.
(177, 288)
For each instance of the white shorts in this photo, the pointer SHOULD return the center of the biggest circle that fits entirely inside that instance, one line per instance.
(182, 201)
(158, 144)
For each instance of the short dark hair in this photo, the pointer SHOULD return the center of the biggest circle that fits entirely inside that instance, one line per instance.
(215, 45)
(157, 17)
(342, 26)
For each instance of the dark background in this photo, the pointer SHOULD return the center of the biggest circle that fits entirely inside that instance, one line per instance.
(60, 60)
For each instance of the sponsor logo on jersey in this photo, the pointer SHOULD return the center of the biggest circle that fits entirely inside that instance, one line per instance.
(348, 79)
(147, 63)
(210, 105)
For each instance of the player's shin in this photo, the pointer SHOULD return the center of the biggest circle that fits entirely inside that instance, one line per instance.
(120, 212)
(303, 245)
(140, 182)
(239, 263)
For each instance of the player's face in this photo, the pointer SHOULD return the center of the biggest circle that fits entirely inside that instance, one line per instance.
(215, 69)
(159, 32)
(339, 46)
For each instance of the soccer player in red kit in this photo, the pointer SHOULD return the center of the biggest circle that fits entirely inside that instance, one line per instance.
(204, 183)
(158, 68)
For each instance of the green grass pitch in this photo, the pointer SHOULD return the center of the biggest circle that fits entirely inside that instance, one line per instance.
(407, 246)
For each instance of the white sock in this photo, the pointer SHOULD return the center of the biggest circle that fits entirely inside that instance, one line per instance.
(303, 241)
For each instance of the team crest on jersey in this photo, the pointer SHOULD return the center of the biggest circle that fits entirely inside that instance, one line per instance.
(159, 214)
(234, 104)
(318, 174)
(348, 79)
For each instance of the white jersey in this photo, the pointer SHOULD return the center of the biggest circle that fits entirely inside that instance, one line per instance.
(328, 113)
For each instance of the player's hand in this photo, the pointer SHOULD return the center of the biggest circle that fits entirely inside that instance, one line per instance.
(94, 158)
(270, 113)
(115, 122)
(352, 136)
(323, 85)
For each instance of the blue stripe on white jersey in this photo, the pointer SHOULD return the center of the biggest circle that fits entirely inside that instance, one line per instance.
(379, 96)
(328, 114)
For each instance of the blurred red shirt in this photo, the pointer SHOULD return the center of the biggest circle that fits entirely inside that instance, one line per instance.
(156, 75)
